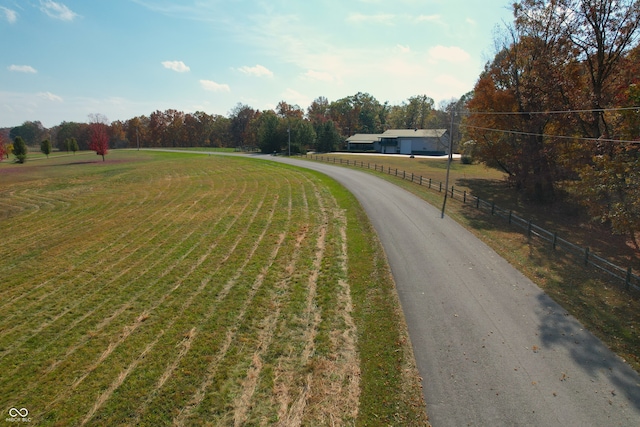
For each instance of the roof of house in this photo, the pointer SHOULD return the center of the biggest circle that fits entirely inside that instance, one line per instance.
(414, 133)
(364, 138)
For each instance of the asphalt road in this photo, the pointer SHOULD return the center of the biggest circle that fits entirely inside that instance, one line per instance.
(491, 347)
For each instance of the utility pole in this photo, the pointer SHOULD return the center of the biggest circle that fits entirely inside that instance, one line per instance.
(289, 134)
(446, 185)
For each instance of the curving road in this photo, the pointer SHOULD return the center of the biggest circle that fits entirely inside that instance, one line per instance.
(491, 347)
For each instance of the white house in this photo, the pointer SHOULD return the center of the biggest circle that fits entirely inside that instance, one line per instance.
(403, 141)
(415, 141)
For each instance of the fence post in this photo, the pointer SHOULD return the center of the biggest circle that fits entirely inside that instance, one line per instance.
(586, 256)
(555, 240)
(627, 281)
(452, 191)
(421, 180)
(464, 197)
(440, 189)
(429, 183)
(477, 202)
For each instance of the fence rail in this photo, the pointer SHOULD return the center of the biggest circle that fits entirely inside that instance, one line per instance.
(625, 276)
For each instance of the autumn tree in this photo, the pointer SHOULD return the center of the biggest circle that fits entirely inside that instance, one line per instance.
(506, 134)
(359, 113)
(45, 147)
(288, 111)
(602, 32)
(99, 134)
(220, 135)
(3, 148)
(610, 185)
(117, 135)
(20, 149)
(137, 131)
(318, 111)
(241, 116)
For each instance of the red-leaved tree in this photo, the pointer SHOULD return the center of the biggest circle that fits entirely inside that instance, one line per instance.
(99, 134)
(3, 147)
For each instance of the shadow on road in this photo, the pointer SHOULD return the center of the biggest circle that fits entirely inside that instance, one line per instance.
(559, 331)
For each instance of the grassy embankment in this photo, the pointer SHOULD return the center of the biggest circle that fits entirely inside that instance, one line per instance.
(157, 289)
(597, 300)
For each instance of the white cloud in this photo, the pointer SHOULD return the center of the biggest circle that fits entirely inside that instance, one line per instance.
(451, 54)
(57, 10)
(10, 15)
(214, 87)
(403, 49)
(177, 66)
(50, 96)
(319, 75)
(258, 71)
(22, 69)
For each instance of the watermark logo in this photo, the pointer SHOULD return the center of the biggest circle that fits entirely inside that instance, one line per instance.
(18, 415)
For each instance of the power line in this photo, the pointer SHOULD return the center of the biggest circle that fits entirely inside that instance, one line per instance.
(551, 136)
(522, 113)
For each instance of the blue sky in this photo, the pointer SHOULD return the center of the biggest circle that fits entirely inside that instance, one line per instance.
(63, 60)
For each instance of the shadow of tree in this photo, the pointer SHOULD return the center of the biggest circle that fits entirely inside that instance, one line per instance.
(559, 330)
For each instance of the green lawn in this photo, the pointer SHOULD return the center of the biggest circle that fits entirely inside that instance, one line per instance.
(162, 288)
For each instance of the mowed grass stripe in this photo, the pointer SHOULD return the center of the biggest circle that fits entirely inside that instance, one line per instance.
(106, 285)
(191, 305)
(82, 198)
(90, 254)
(81, 395)
(239, 291)
(94, 217)
(248, 337)
(236, 312)
(120, 240)
(131, 319)
(87, 335)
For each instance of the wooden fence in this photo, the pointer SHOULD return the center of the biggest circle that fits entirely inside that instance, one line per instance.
(624, 276)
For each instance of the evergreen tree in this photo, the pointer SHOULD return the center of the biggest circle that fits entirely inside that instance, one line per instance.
(20, 149)
(45, 147)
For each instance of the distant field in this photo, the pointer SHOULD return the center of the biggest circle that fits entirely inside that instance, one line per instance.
(181, 289)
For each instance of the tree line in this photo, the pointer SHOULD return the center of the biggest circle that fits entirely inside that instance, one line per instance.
(323, 126)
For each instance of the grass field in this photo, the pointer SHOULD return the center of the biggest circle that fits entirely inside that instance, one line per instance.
(181, 289)
(596, 299)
